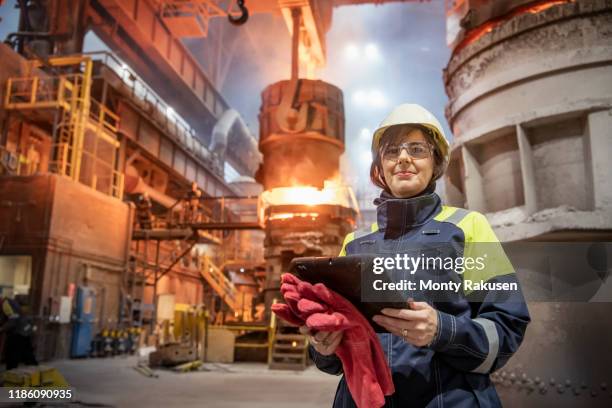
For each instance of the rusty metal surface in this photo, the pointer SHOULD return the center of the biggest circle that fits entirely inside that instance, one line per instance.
(301, 138)
(308, 151)
(191, 93)
(565, 359)
(58, 223)
(508, 82)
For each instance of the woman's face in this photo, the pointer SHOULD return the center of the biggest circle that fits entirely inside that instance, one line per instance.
(405, 175)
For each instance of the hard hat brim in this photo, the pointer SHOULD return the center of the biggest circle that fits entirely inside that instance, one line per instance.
(439, 139)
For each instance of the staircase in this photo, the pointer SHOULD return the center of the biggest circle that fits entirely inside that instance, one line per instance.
(74, 102)
(220, 283)
(63, 159)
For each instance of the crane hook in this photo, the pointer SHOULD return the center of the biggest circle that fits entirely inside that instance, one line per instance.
(243, 17)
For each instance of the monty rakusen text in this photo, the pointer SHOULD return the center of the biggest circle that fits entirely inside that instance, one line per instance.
(412, 264)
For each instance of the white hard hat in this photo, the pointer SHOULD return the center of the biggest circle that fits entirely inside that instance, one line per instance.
(413, 114)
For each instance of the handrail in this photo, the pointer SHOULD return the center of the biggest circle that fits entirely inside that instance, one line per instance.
(64, 91)
(144, 92)
(175, 125)
(104, 116)
(40, 92)
(235, 210)
(109, 55)
(219, 281)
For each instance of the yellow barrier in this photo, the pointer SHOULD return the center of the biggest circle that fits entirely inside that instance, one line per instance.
(34, 376)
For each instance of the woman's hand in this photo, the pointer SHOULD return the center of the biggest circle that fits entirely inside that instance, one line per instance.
(324, 342)
(417, 325)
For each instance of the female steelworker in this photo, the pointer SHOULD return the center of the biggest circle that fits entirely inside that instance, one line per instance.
(439, 355)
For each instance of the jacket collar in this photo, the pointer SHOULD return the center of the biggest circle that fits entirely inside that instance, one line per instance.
(397, 215)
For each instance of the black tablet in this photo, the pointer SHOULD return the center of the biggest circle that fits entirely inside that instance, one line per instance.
(344, 276)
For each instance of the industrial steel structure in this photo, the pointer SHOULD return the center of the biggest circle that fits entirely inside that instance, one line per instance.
(530, 99)
(135, 148)
(114, 200)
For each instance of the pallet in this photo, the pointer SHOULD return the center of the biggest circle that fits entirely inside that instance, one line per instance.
(289, 351)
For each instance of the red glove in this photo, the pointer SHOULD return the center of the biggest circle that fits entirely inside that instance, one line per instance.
(284, 312)
(364, 363)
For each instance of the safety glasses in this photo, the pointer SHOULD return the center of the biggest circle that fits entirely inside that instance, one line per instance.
(416, 150)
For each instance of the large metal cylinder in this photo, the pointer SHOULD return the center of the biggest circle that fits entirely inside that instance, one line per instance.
(530, 97)
(307, 210)
(301, 133)
(530, 108)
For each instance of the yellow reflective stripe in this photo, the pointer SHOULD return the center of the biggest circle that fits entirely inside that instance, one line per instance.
(7, 309)
(480, 239)
(445, 213)
(356, 234)
(349, 237)
(457, 216)
(476, 228)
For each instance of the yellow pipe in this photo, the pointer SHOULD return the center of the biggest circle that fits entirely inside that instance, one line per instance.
(271, 334)
(9, 85)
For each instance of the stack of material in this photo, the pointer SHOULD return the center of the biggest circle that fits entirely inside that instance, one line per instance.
(172, 355)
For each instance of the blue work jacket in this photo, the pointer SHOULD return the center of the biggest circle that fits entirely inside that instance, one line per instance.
(473, 338)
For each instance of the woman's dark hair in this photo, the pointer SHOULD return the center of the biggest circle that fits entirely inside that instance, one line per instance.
(389, 136)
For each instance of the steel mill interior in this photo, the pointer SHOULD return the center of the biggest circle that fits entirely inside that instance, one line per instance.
(156, 182)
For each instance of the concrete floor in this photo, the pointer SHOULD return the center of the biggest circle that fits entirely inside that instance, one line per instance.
(114, 382)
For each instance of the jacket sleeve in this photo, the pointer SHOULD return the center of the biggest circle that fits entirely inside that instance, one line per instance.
(330, 364)
(484, 340)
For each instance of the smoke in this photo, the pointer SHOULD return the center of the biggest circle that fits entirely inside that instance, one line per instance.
(252, 56)
(380, 56)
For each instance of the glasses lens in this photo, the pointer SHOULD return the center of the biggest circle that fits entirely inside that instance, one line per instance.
(416, 150)
(392, 152)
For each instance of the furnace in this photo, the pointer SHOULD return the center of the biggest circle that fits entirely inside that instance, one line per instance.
(307, 209)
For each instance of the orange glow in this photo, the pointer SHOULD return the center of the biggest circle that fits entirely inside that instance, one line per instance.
(333, 192)
(534, 8)
(288, 216)
(476, 33)
(541, 7)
